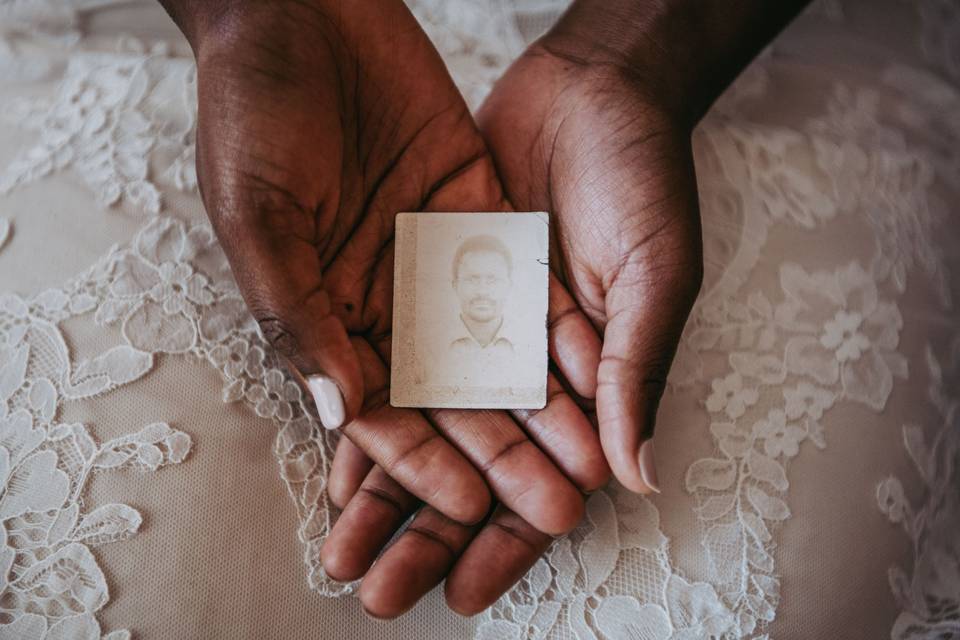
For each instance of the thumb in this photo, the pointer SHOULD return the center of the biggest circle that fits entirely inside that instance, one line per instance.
(279, 275)
(270, 194)
(646, 310)
(648, 297)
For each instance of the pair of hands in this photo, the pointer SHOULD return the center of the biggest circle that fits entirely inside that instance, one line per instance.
(318, 122)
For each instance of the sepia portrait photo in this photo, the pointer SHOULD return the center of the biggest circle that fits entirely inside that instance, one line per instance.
(470, 310)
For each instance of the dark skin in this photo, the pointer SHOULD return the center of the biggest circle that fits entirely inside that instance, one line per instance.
(311, 138)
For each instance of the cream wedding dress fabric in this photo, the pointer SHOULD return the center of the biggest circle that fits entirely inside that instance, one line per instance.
(162, 478)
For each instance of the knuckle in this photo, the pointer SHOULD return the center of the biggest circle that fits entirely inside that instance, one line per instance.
(518, 445)
(597, 476)
(278, 334)
(383, 496)
(415, 456)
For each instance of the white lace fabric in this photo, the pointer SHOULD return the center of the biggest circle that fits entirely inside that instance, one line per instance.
(809, 443)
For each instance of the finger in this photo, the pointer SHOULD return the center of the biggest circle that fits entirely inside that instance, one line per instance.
(350, 466)
(564, 433)
(279, 276)
(646, 314)
(573, 342)
(283, 288)
(413, 565)
(367, 523)
(498, 557)
(413, 452)
(271, 214)
(518, 473)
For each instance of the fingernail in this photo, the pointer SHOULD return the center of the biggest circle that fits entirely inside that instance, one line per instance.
(329, 400)
(648, 468)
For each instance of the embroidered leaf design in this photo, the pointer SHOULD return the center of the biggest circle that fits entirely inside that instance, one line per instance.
(499, 630)
(13, 371)
(577, 614)
(767, 585)
(140, 449)
(109, 523)
(563, 560)
(916, 445)
(639, 522)
(815, 433)
(711, 473)
(546, 616)
(625, 617)
(538, 578)
(759, 558)
(892, 500)
(760, 607)
(716, 507)
(768, 369)
(112, 310)
(82, 627)
(43, 398)
(152, 329)
(704, 339)
(767, 469)
(63, 525)
(37, 470)
(755, 526)
(718, 541)
(601, 547)
(767, 506)
(112, 368)
(72, 567)
(900, 586)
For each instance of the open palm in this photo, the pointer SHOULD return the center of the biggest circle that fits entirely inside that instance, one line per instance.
(310, 139)
(589, 144)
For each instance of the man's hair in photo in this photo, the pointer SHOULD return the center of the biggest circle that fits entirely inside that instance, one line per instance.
(479, 243)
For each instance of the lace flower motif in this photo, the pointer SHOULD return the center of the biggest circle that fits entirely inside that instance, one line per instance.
(807, 400)
(730, 396)
(162, 297)
(842, 335)
(779, 435)
(273, 398)
(180, 288)
(238, 358)
(845, 332)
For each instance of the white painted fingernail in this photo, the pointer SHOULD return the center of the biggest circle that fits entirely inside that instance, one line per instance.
(648, 467)
(329, 400)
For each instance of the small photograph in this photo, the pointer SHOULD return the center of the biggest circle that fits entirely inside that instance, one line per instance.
(470, 310)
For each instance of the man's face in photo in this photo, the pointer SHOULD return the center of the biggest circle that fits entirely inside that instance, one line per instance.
(482, 285)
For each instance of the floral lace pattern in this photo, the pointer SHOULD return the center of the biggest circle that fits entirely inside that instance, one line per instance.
(50, 581)
(793, 352)
(930, 598)
(104, 124)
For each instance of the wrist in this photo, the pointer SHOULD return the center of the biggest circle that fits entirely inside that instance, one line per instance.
(680, 54)
(206, 21)
(194, 17)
